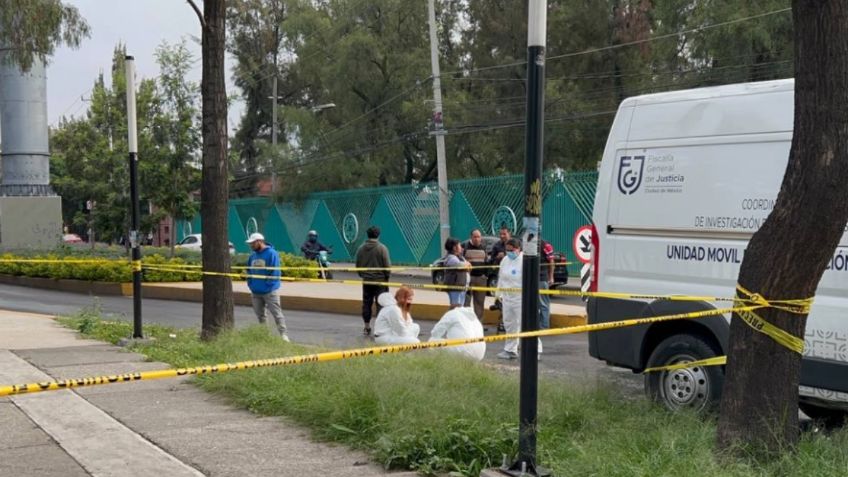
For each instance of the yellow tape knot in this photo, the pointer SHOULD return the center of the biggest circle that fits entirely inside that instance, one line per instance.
(136, 265)
(799, 306)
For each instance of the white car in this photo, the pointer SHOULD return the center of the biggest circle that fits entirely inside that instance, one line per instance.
(195, 242)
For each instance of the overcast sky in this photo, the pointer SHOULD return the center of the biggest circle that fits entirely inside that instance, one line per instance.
(142, 25)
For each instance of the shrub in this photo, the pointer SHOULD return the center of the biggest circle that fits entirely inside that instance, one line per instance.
(109, 266)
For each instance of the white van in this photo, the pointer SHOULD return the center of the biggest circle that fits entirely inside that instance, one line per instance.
(687, 177)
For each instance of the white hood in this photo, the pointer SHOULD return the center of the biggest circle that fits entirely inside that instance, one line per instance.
(461, 323)
(386, 299)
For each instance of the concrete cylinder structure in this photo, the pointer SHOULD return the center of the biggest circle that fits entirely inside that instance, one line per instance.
(23, 131)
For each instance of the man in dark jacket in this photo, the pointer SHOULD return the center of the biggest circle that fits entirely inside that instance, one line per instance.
(498, 251)
(475, 254)
(312, 246)
(546, 279)
(374, 257)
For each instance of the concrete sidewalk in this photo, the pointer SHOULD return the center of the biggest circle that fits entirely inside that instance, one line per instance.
(163, 427)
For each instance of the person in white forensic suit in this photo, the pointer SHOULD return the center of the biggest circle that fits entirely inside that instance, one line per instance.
(394, 323)
(461, 323)
(509, 277)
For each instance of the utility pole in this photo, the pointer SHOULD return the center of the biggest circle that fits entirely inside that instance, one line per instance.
(132, 143)
(534, 144)
(274, 134)
(438, 126)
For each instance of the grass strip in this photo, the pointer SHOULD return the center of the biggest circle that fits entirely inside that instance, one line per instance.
(440, 414)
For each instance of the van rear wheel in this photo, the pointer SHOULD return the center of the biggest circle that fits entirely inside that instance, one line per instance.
(829, 418)
(697, 388)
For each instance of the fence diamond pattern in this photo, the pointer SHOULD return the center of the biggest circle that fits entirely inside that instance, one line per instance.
(410, 214)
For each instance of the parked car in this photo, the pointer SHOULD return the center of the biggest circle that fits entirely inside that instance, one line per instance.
(72, 238)
(560, 272)
(195, 242)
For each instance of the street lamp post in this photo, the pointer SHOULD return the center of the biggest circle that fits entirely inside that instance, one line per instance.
(132, 143)
(526, 463)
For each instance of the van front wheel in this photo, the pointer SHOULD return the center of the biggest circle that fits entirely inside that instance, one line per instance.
(697, 388)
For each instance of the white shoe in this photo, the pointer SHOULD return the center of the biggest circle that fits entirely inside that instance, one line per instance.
(285, 338)
(507, 355)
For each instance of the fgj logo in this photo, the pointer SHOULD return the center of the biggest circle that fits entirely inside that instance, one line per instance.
(630, 173)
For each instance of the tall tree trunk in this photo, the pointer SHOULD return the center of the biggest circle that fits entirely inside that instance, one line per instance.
(217, 291)
(759, 405)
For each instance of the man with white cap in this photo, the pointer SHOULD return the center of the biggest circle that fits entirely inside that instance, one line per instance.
(265, 262)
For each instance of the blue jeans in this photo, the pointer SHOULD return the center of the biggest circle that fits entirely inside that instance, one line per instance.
(544, 308)
(457, 298)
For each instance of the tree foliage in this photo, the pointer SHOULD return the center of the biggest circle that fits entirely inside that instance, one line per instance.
(371, 59)
(32, 29)
(89, 161)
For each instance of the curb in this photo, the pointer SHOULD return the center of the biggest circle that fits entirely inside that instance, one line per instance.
(342, 306)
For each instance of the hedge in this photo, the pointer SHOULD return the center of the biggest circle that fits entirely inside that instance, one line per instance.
(109, 268)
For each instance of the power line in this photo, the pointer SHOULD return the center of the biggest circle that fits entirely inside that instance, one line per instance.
(627, 44)
(671, 35)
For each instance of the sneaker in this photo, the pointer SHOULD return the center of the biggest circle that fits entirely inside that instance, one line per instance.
(285, 338)
(501, 328)
(367, 331)
(507, 355)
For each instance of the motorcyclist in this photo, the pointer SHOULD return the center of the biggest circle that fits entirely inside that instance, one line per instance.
(312, 246)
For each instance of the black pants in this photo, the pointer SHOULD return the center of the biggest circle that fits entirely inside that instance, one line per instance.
(369, 298)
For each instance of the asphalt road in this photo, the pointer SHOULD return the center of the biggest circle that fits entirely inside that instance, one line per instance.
(564, 356)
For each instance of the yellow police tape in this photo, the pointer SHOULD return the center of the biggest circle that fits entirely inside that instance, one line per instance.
(344, 354)
(752, 319)
(67, 261)
(427, 286)
(356, 269)
(245, 267)
(714, 361)
(750, 301)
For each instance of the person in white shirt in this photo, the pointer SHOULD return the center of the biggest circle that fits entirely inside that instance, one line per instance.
(461, 323)
(394, 324)
(509, 277)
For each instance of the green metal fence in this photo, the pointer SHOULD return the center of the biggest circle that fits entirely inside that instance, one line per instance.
(409, 215)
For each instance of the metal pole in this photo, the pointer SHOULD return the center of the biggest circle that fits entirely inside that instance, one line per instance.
(132, 143)
(438, 125)
(534, 138)
(274, 134)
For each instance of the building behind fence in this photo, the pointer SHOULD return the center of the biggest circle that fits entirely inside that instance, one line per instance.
(408, 215)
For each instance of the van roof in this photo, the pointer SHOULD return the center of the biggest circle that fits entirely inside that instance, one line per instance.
(737, 109)
(712, 92)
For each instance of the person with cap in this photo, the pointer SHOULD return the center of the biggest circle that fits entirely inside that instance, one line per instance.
(311, 247)
(264, 282)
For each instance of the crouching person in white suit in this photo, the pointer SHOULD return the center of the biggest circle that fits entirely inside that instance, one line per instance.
(394, 324)
(461, 323)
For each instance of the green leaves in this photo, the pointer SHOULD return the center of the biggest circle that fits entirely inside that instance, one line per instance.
(89, 154)
(32, 29)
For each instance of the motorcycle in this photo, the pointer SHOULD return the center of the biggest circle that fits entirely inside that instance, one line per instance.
(323, 261)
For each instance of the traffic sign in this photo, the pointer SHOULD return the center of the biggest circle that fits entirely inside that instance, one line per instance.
(583, 244)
